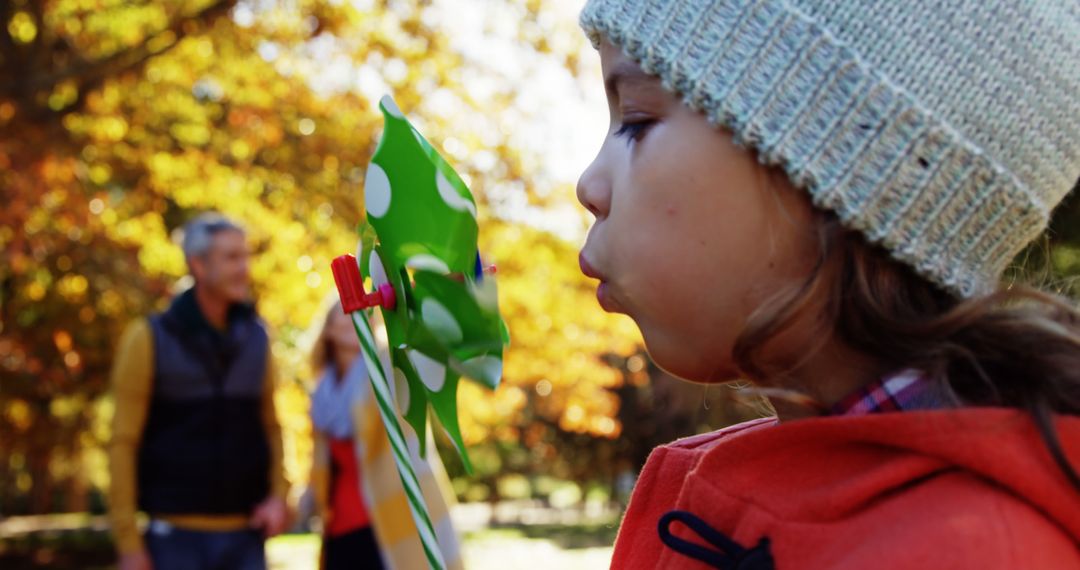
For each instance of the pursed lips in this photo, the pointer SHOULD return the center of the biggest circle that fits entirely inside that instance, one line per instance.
(604, 295)
(588, 269)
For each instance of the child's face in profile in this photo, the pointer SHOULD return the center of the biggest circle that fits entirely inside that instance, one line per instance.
(691, 232)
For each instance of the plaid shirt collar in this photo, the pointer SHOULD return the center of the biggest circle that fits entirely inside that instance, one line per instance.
(902, 391)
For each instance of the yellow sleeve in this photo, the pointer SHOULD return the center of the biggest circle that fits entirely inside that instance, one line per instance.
(279, 486)
(132, 383)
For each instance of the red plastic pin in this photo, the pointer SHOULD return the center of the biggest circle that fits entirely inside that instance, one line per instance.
(350, 286)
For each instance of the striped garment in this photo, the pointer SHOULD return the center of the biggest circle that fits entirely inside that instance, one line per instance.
(905, 390)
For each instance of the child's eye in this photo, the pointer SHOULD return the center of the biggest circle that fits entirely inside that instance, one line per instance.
(635, 130)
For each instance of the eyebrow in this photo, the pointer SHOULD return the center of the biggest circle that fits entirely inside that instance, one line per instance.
(625, 72)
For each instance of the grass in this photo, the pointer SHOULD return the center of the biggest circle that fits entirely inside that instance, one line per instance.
(572, 547)
(293, 552)
(566, 537)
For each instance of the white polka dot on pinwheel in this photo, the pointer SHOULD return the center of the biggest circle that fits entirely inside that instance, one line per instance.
(401, 390)
(377, 191)
(487, 369)
(378, 272)
(391, 107)
(450, 195)
(427, 262)
(440, 321)
(432, 372)
(486, 294)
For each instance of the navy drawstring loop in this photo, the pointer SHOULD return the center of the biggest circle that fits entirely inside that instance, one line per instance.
(728, 554)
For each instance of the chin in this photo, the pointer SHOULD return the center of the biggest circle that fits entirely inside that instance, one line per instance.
(680, 361)
(239, 296)
(675, 361)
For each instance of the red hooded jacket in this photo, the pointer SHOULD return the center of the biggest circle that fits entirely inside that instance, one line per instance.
(972, 488)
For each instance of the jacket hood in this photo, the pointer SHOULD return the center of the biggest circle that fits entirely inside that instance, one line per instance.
(825, 469)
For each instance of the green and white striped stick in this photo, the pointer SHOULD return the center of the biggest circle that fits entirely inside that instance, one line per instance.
(381, 386)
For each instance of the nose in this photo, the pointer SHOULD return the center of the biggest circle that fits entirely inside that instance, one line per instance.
(594, 187)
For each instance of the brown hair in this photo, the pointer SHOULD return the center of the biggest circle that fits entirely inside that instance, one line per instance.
(322, 352)
(1019, 347)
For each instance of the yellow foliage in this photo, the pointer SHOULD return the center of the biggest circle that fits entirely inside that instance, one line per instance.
(72, 286)
(22, 28)
(219, 121)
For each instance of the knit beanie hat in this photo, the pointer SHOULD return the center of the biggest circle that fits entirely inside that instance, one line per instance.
(943, 130)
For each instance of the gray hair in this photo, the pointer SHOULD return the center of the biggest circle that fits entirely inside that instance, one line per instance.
(199, 233)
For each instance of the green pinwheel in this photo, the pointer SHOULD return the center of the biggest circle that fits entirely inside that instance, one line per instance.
(420, 238)
(439, 303)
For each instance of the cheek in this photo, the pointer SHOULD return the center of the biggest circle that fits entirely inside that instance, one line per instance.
(687, 227)
(695, 249)
(687, 322)
(344, 332)
(681, 275)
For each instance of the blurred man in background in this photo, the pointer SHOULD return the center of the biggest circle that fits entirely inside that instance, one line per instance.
(196, 442)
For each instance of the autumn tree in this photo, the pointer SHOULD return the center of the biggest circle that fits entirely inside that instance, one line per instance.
(121, 120)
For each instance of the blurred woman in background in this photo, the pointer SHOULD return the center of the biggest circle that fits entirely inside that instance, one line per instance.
(358, 494)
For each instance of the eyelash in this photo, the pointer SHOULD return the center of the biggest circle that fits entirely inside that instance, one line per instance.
(634, 131)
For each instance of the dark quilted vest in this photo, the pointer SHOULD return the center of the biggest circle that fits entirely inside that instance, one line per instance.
(204, 449)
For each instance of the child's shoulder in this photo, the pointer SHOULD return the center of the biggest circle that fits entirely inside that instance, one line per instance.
(939, 490)
(953, 519)
(706, 441)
